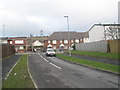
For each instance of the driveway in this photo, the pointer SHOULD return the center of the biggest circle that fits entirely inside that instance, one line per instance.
(51, 72)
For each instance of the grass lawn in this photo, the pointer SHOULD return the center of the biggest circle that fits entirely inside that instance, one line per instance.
(19, 77)
(113, 68)
(97, 54)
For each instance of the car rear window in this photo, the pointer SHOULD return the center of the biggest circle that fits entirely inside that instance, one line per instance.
(50, 50)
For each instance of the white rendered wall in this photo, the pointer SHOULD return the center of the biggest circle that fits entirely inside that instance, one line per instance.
(96, 34)
(86, 40)
(119, 12)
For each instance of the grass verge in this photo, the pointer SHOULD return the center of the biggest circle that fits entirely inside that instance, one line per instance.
(99, 65)
(97, 54)
(19, 77)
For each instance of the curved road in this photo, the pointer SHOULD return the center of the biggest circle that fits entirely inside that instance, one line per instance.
(51, 72)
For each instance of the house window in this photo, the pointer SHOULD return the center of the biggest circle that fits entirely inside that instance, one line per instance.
(72, 41)
(60, 41)
(19, 42)
(54, 42)
(77, 40)
(66, 41)
(10, 42)
(21, 47)
(48, 41)
(86, 40)
(80, 39)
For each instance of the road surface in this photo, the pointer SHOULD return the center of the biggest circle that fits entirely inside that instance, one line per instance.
(51, 72)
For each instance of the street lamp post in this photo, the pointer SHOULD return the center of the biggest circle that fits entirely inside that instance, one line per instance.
(3, 31)
(68, 34)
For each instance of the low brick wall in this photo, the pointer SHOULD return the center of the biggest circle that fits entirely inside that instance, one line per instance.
(7, 50)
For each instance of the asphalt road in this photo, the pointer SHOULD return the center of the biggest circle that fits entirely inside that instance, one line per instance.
(51, 72)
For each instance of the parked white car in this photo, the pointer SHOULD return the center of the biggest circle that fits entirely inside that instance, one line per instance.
(50, 52)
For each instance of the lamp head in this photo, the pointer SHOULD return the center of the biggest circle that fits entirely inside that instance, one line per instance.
(65, 16)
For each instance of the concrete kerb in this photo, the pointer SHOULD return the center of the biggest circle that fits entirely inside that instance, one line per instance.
(107, 71)
(36, 87)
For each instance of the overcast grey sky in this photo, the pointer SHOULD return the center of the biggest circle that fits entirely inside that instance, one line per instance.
(24, 17)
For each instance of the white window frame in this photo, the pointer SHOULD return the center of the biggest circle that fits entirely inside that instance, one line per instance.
(49, 41)
(60, 41)
(10, 42)
(77, 40)
(54, 41)
(19, 42)
(66, 41)
(72, 41)
(80, 39)
(21, 47)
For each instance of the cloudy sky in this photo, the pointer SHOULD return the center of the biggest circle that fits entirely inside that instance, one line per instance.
(24, 17)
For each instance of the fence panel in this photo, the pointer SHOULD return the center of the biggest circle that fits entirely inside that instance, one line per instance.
(0, 51)
(114, 46)
(100, 46)
(7, 50)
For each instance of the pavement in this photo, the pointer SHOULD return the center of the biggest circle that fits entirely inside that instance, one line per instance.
(51, 72)
(97, 59)
(8, 63)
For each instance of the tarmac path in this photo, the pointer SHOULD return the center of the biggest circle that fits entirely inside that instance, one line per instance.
(8, 63)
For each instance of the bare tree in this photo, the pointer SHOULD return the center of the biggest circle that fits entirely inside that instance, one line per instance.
(112, 33)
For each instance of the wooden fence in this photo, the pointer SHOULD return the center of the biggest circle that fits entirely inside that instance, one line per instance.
(6, 50)
(106, 46)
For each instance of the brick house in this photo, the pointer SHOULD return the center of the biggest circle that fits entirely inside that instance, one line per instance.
(20, 43)
(59, 40)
